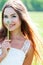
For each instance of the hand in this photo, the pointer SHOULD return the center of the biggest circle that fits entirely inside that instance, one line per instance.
(6, 44)
(5, 47)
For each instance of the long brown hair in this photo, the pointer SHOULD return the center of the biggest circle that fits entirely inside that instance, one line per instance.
(27, 26)
(2, 34)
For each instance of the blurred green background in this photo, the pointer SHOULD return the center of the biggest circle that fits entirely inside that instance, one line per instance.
(35, 9)
(32, 5)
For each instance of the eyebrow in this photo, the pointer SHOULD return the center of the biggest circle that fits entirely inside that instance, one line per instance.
(11, 14)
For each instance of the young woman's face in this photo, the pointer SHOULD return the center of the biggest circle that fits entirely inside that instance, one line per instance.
(11, 19)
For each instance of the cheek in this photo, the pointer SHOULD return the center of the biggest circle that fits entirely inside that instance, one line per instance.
(17, 21)
(5, 21)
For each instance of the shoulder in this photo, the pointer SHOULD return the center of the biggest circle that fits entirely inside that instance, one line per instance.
(29, 54)
(27, 46)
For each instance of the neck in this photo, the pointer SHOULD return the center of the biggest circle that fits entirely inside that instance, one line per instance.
(16, 33)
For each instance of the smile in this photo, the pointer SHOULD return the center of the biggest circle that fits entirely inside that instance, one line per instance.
(11, 25)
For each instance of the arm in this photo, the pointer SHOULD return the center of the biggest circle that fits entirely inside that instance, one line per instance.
(4, 53)
(5, 48)
(29, 56)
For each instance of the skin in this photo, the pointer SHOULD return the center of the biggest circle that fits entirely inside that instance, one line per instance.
(17, 38)
(14, 27)
(15, 31)
(4, 45)
(13, 18)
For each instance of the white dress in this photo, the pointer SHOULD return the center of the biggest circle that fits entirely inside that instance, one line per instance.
(16, 56)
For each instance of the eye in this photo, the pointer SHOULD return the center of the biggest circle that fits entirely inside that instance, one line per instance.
(5, 16)
(13, 16)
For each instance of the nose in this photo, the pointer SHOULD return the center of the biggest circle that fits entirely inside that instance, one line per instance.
(9, 21)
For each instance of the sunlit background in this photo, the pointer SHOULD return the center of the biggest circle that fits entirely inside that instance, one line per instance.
(35, 8)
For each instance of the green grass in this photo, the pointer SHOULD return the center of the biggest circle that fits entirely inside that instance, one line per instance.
(37, 17)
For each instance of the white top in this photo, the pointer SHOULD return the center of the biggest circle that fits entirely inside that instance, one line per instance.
(16, 56)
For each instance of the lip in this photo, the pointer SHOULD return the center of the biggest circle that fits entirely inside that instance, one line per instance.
(11, 25)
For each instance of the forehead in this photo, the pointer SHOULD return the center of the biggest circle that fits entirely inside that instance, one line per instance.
(9, 10)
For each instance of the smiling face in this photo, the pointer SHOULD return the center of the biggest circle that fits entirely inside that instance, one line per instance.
(11, 19)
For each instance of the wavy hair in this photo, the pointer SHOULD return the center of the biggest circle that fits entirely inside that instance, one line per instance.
(28, 28)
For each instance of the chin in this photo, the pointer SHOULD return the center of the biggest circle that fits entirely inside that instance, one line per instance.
(12, 29)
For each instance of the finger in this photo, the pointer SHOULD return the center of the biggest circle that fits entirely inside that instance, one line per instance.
(7, 41)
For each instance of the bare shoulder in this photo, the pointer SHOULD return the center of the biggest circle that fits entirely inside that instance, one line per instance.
(29, 56)
(30, 49)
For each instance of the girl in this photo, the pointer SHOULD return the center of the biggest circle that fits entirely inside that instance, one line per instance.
(24, 39)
